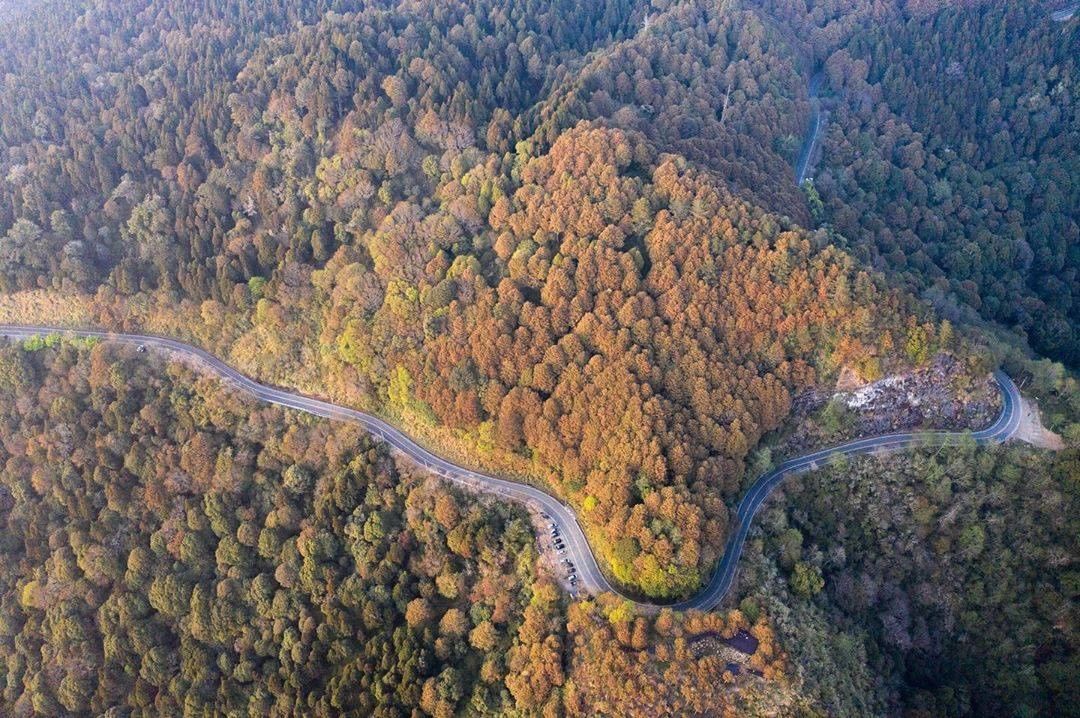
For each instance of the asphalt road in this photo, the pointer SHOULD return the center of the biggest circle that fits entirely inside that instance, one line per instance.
(578, 550)
(1066, 12)
(815, 130)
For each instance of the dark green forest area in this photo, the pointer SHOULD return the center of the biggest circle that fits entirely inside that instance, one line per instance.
(953, 162)
(172, 547)
(937, 585)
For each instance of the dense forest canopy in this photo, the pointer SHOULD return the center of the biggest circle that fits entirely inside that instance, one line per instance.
(170, 546)
(953, 162)
(938, 584)
(469, 217)
(558, 240)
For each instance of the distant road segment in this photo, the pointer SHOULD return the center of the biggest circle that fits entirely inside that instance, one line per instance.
(1066, 12)
(578, 549)
(814, 133)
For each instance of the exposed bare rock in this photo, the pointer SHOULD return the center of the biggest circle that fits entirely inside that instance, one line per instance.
(941, 395)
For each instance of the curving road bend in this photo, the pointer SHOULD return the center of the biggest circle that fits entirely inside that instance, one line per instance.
(590, 575)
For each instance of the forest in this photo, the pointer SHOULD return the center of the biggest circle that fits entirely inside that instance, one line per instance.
(602, 309)
(930, 585)
(171, 547)
(559, 241)
(966, 187)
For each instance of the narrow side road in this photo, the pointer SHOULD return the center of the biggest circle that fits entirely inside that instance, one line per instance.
(591, 577)
(814, 133)
(1066, 13)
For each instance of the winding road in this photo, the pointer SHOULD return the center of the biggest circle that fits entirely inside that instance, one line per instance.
(578, 550)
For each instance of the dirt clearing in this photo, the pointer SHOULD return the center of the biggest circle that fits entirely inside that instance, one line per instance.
(1032, 430)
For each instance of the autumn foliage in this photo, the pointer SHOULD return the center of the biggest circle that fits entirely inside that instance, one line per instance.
(594, 279)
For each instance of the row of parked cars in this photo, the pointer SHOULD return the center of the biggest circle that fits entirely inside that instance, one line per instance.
(560, 547)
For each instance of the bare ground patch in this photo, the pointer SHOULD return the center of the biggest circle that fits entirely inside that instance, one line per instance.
(1032, 430)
